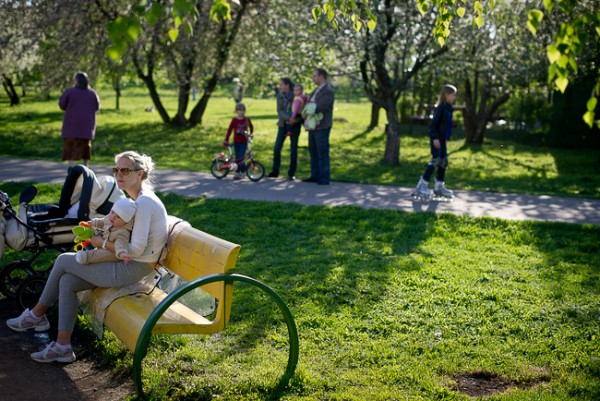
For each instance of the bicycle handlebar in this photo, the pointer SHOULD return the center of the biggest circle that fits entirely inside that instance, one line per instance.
(245, 133)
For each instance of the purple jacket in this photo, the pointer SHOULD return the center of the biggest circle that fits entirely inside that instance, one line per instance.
(80, 106)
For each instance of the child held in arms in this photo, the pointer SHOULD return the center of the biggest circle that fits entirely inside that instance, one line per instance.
(116, 227)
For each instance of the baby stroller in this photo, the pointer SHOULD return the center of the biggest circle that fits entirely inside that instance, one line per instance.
(37, 228)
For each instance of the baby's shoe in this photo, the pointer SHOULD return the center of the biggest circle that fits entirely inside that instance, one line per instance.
(81, 257)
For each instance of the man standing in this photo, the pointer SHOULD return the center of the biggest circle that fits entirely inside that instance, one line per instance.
(318, 134)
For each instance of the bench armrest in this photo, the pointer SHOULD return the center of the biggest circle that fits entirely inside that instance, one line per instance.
(141, 348)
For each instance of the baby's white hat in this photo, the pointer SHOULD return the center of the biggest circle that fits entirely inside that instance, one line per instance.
(125, 208)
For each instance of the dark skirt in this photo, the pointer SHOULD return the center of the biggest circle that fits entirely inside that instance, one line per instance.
(76, 149)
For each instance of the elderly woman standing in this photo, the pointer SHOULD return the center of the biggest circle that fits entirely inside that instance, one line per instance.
(80, 104)
(68, 277)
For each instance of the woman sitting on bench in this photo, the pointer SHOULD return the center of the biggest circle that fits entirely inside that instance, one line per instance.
(68, 277)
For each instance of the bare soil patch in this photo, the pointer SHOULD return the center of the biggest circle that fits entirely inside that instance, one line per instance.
(21, 378)
(483, 384)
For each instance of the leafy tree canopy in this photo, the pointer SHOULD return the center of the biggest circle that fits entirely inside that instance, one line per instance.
(580, 23)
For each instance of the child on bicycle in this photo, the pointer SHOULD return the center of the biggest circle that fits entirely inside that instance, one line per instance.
(242, 126)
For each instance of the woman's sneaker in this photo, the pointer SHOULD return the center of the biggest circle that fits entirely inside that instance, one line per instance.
(52, 353)
(27, 321)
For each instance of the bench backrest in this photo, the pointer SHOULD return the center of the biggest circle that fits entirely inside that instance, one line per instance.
(193, 253)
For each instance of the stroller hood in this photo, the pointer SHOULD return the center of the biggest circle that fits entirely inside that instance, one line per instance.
(104, 193)
(86, 196)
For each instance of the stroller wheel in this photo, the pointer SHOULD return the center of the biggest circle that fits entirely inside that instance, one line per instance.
(12, 275)
(29, 291)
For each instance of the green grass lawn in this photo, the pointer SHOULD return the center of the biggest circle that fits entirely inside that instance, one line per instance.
(32, 130)
(389, 306)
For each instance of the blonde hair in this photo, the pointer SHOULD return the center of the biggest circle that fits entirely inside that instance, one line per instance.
(140, 162)
(446, 90)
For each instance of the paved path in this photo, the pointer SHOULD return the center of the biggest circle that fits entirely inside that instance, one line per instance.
(472, 203)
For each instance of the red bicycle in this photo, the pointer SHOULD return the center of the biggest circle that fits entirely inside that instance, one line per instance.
(223, 163)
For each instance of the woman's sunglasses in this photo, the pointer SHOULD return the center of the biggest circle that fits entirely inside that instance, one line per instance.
(125, 171)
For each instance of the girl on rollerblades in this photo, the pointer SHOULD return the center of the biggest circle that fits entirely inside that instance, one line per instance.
(440, 129)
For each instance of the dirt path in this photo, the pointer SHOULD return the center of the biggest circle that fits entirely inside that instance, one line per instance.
(23, 379)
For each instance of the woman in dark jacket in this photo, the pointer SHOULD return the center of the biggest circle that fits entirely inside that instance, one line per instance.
(440, 129)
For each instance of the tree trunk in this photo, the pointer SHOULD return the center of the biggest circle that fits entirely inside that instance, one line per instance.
(469, 114)
(164, 115)
(476, 117)
(117, 88)
(10, 90)
(185, 86)
(392, 135)
(22, 82)
(182, 103)
(148, 77)
(224, 46)
(384, 90)
(149, 81)
(375, 108)
(198, 110)
(481, 114)
(488, 115)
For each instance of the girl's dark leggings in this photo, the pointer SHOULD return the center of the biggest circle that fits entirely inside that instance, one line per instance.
(439, 161)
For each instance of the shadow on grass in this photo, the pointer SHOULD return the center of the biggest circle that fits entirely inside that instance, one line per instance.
(363, 135)
(582, 167)
(557, 242)
(506, 160)
(273, 117)
(321, 261)
(330, 256)
(574, 173)
(29, 116)
(571, 277)
(333, 256)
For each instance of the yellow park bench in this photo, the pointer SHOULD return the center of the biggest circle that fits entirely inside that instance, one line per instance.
(202, 260)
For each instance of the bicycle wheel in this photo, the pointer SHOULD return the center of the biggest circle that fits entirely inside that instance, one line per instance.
(219, 168)
(254, 170)
(12, 275)
(29, 291)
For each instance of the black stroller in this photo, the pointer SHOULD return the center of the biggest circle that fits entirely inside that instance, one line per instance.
(37, 228)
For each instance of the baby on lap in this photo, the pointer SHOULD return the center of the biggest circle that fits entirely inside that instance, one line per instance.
(116, 227)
